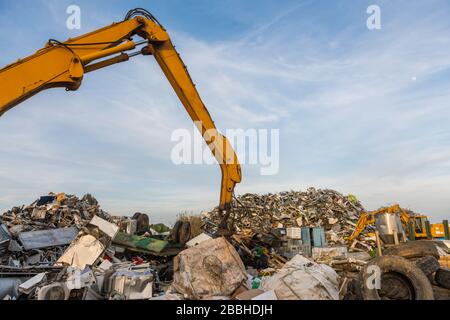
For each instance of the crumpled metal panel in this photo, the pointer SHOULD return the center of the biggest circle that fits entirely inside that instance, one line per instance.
(47, 238)
(4, 234)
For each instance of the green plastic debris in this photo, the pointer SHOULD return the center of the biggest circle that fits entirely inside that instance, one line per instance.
(140, 243)
(256, 283)
(160, 228)
(352, 199)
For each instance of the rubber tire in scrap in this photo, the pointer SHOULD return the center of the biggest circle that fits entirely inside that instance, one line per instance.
(414, 249)
(184, 233)
(442, 277)
(428, 265)
(353, 290)
(405, 280)
(441, 293)
(175, 235)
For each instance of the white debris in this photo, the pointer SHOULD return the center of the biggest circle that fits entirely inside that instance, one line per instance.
(32, 283)
(302, 279)
(197, 240)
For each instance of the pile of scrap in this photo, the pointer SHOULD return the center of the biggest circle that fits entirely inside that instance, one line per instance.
(59, 247)
(271, 229)
(260, 214)
(38, 234)
(290, 245)
(53, 211)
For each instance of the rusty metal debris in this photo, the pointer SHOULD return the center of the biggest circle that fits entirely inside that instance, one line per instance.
(38, 234)
(290, 245)
(273, 228)
(261, 214)
(63, 247)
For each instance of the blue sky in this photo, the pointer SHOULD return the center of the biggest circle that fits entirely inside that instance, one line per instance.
(363, 112)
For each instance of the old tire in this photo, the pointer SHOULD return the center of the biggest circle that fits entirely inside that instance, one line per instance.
(413, 249)
(184, 234)
(442, 278)
(441, 293)
(176, 231)
(400, 280)
(143, 222)
(428, 265)
(136, 216)
(353, 290)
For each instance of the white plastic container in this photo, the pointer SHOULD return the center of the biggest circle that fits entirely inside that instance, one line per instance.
(294, 233)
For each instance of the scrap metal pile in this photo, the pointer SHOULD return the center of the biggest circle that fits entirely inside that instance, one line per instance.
(40, 231)
(290, 245)
(62, 247)
(261, 214)
(54, 211)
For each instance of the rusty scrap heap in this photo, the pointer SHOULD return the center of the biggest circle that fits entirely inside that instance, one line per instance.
(290, 245)
(53, 211)
(326, 208)
(40, 232)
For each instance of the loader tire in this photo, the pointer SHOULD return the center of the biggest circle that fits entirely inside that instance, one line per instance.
(428, 265)
(413, 249)
(400, 280)
(442, 278)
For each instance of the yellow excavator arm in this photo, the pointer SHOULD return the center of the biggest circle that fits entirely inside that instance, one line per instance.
(65, 64)
(368, 218)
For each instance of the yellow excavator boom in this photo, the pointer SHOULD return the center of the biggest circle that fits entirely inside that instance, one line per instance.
(368, 218)
(64, 64)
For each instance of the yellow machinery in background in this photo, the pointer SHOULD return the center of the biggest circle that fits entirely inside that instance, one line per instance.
(416, 226)
(438, 230)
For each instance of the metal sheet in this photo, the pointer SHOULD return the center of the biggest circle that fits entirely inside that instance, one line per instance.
(306, 235)
(4, 234)
(10, 286)
(319, 239)
(47, 238)
(84, 251)
(32, 283)
(110, 229)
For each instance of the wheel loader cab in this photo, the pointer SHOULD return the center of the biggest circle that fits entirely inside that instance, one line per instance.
(420, 228)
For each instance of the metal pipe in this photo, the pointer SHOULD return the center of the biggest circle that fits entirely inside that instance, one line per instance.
(129, 45)
(141, 42)
(134, 54)
(106, 63)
